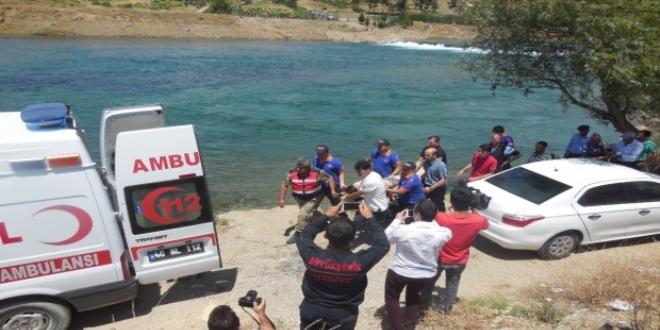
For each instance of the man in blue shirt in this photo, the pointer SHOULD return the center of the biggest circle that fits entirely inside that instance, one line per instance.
(325, 161)
(385, 161)
(410, 189)
(435, 179)
(577, 147)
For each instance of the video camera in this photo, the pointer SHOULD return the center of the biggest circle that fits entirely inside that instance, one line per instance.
(249, 299)
(480, 200)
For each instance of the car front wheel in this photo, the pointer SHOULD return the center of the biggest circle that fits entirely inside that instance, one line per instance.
(559, 246)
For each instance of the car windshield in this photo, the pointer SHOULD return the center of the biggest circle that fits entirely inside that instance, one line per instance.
(528, 185)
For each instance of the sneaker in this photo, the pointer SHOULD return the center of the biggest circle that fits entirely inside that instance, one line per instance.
(293, 238)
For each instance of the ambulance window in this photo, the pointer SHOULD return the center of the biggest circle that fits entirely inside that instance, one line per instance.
(166, 205)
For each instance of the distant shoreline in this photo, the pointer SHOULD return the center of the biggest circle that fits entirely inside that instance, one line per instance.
(23, 18)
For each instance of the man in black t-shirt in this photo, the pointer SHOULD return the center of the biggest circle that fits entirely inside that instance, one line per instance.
(336, 278)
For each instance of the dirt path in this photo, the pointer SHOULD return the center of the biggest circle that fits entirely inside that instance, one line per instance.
(256, 257)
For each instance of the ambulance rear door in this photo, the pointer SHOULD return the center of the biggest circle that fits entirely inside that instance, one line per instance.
(164, 201)
(124, 119)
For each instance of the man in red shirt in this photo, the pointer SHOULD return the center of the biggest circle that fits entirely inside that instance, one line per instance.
(483, 164)
(465, 225)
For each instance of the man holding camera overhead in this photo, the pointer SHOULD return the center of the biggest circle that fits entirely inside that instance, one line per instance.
(336, 278)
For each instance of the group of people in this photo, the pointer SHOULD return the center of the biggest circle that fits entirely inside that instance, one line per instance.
(428, 243)
(387, 185)
(634, 150)
(400, 203)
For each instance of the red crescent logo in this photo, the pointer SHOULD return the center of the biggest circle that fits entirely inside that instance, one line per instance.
(149, 202)
(84, 223)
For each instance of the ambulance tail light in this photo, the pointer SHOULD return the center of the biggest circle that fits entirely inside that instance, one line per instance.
(125, 270)
(63, 161)
(187, 176)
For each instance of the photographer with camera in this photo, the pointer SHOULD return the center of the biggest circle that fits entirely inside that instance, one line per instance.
(223, 317)
(465, 224)
(336, 278)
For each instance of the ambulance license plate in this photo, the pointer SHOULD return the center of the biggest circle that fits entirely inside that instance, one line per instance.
(174, 252)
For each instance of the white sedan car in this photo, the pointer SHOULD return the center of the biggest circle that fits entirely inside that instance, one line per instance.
(554, 206)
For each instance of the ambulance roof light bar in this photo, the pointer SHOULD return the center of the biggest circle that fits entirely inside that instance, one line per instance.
(45, 116)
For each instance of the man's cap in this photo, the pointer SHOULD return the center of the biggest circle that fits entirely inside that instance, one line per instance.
(408, 166)
(498, 129)
(383, 142)
(629, 134)
(322, 149)
(583, 128)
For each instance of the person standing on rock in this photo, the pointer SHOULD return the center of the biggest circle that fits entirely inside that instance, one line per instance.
(306, 187)
(336, 278)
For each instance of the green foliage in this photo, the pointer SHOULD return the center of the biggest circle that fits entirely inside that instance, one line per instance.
(105, 3)
(548, 311)
(337, 3)
(494, 301)
(381, 22)
(220, 6)
(356, 8)
(366, 21)
(436, 18)
(301, 13)
(361, 19)
(288, 3)
(95, 2)
(405, 21)
(603, 56)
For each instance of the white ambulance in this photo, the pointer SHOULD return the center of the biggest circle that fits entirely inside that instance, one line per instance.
(73, 236)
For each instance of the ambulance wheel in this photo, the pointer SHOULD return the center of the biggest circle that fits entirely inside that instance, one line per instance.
(35, 316)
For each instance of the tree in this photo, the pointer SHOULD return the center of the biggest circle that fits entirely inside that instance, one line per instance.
(603, 56)
(361, 19)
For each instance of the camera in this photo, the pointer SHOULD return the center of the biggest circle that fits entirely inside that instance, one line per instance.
(480, 200)
(349, 206)
(249, 299)
(409, 217)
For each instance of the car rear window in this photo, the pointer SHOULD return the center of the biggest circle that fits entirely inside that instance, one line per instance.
(528, 185)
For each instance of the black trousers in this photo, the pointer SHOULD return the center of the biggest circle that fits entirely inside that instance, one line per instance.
(328, 193)
(315, 317)
(438, 198)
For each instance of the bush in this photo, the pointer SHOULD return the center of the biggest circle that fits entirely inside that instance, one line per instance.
(405, 21)
(361, 19)
(435, 18)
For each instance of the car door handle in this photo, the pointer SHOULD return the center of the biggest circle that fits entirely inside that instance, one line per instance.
(594, 217)
(644, 212)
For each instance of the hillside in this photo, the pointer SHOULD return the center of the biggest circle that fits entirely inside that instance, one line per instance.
(82, 19)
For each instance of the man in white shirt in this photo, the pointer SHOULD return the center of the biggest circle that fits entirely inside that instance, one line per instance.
(415, 261)
(372, 190)
(627, 150)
